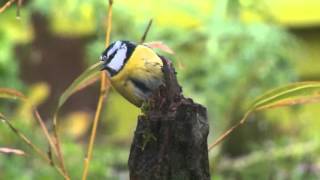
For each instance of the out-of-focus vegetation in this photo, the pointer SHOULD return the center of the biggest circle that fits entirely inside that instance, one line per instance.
(226, 53)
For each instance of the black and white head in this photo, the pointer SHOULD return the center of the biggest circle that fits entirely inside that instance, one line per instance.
(116, 55)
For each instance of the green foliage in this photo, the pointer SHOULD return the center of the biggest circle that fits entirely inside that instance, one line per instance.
(10, 34)
(238, 61)
(288, 162)
(289, 95)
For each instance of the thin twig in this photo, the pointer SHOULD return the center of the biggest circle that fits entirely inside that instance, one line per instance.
(109, 24)
(8, 4)
(53, 144)
(44, 130)
(229, 131)
(102, 96)
(57, 145)
(18, 9)
(49, 153)
(9, 150)
(18, 95)
(26, 140)
(144, 36)
(104, 87)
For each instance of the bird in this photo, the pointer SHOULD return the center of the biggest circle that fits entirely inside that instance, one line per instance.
(135, 70)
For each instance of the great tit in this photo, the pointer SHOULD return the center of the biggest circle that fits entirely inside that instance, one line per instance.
(135, 70)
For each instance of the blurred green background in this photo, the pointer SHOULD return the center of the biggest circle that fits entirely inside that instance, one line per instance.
(227, 52)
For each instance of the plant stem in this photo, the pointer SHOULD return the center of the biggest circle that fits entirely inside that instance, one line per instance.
(103, 92)
(229, 131)
(57, 145)
(109, 24)
(102, 96)
(33, 146)
(44, 130)
(144, 36)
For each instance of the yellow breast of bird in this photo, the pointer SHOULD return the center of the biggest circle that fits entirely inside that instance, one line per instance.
(140, 75)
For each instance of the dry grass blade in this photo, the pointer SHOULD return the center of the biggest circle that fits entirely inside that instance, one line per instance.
(228, 132)
(103, 92)
(49, 153)
(104, 87)
(16, 95)
(11, 94)
(25, 139)
(144, 36)
(159, 45)
(290, 102)
(52, 145)
(58, 147)
(19, 4)
(109, 24)
(9, 3)
(31, 145)
(291, 94)
(87, 78)
(298, 89)
(6, 150)
(44, 129)
(5, 6)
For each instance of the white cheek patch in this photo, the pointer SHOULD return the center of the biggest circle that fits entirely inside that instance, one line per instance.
(115, 47)
(118, 60)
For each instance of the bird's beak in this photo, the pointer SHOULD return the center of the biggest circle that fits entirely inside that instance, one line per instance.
(110, 71)
(103, 58)
(105, 66)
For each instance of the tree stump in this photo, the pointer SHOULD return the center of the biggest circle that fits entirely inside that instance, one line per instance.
(170, 141)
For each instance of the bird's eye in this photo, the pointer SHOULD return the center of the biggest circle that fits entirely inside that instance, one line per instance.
(103, 58)
(123, 46)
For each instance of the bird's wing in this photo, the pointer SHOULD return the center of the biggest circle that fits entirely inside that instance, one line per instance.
(147, 77)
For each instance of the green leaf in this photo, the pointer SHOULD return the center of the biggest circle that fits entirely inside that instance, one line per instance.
(87, 78)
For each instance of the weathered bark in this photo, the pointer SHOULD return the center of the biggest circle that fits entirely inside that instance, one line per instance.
(170, 141)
